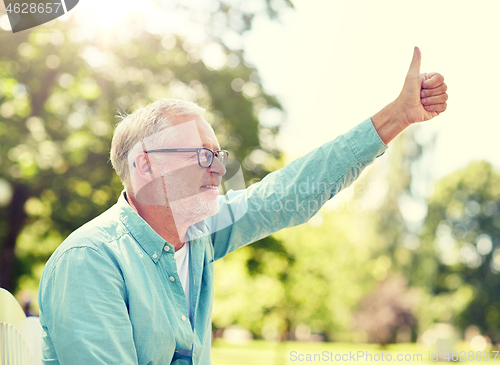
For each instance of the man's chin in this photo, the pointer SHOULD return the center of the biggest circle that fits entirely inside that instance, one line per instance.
(214, 208)
(195, 210)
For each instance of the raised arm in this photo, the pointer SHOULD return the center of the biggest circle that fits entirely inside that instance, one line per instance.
(293, 194)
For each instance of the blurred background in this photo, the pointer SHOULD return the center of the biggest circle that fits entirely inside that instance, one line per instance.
(406, 260)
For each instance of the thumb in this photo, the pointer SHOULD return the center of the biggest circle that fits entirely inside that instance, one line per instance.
(415, 62)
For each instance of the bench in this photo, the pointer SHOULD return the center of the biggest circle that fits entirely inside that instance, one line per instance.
(20, 336)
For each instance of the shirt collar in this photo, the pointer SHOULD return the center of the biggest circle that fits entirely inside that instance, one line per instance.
(148, 239)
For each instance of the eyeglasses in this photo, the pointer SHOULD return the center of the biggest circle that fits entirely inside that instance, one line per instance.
(205, 155)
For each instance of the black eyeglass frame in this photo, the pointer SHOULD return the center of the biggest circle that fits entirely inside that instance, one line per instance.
(197, 150)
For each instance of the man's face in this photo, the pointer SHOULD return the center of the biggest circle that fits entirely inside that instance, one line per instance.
(176, 180)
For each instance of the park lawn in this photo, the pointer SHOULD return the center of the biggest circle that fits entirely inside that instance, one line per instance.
(272, 353)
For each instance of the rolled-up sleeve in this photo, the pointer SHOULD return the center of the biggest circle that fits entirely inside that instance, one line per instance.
(293, 194)
(83, 303)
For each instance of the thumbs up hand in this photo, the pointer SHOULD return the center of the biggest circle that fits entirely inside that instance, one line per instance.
(424, 95)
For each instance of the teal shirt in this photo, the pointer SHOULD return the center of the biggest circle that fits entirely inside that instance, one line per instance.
(110, 294)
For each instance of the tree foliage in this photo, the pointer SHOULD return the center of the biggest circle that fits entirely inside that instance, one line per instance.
(461, 237)
(317, 282)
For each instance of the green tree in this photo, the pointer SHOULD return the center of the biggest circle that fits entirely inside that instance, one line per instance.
(404, 179)
(461, 239)
(317, 281)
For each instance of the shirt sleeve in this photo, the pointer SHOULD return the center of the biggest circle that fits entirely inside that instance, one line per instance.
(83, 311)
(293, 194)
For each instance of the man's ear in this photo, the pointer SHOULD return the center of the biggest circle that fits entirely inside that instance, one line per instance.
(143, 165)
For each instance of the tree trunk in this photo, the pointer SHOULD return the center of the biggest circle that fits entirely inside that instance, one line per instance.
(16, 218)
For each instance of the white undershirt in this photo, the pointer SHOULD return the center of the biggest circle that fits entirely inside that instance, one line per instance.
(182, 261)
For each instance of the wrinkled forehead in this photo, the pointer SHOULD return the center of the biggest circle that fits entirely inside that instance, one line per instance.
(186, 132)
(182, 135)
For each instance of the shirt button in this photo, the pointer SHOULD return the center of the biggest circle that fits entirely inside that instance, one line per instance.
(166, 248)
(183, 318)
(172, 278)
(155, 255)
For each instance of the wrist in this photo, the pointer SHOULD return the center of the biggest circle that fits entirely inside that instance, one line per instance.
(389, 122)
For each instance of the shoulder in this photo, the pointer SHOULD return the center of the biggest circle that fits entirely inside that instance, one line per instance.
(101, 236)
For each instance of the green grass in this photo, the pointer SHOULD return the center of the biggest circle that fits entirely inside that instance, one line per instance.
(274, 353)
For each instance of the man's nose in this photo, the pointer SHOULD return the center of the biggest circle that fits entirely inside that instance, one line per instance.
(217, 167)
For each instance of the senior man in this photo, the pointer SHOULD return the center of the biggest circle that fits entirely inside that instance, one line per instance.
(135, 285)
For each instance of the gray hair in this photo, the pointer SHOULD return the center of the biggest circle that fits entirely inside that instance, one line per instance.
(142, 123)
